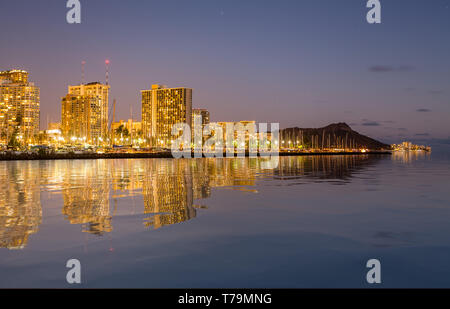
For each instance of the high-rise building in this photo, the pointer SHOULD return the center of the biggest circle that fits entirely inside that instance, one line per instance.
(203, 113)
(102, 93)
(197, 129)
(19, 107)
(250, 135)
(162, 108)
(81, 119)
(15, 76)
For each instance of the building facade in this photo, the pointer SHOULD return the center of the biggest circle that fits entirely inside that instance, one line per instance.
(100, 91)
(19, 108)
(204, 113)
(248, 130)
(81, 117)
(133, 127)
(161, 109)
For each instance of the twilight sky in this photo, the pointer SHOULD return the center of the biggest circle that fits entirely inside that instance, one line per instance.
(298, 62)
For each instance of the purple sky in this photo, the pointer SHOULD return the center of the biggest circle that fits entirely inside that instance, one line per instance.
(301, 63)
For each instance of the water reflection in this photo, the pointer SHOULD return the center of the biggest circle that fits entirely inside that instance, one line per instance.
(327, 168)
(168, 198)
(165, 191)
(20, 204)
(86, 201)
(410, 156)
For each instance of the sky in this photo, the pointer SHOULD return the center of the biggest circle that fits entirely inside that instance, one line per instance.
(304, 63)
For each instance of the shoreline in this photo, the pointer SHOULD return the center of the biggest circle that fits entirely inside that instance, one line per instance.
(160, 155)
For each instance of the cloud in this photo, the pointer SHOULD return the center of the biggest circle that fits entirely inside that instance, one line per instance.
(423, 110)
(402, 129)
(388, 68)
(370, 124)
(422, 134)
(383, 234)
(435, 92)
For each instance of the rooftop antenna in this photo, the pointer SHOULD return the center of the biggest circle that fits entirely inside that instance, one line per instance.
(107, 71)
(83, 63)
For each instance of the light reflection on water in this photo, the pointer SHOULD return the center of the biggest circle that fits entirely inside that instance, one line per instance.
(243, 226)
(170, 188)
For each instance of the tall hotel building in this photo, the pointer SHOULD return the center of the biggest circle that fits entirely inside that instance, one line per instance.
(81, 119)
(19, 107)
(203, 113)
(162, 108)
(84, 113)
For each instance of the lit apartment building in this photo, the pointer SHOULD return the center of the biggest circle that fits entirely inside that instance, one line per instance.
(203, 113)
(81, 117)
(162, 108)
(19, 107)
(240, 125)
(102, 92)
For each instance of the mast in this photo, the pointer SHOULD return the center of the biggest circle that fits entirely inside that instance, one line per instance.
(113, 134)
(323, 137)
(131, 125)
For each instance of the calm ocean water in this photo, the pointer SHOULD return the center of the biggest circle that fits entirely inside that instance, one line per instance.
(311, 222)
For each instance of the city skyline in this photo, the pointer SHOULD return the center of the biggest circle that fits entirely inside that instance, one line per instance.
(252, 145)
(380, 82)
